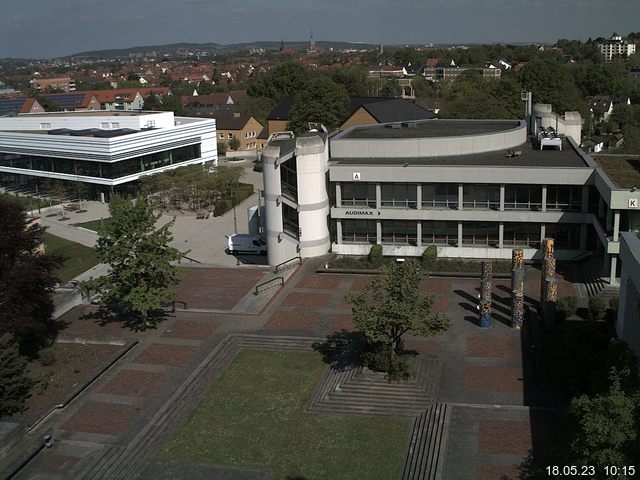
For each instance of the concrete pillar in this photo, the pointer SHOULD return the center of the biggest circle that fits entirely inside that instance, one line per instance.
(502, 198)
(613, 280)
(616, 226)
(459, 234)
(544, 198)
(584, 205)
(460, 196)
(419, 233)
(338, 195)
(339, 231)
(419, 196)
(583, 236)
(378, 232)
(500, 235)
(378, 196)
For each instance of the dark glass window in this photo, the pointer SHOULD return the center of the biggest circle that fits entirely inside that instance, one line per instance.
(289, 179)
(399, 195)
(290, 221)
(399, 232)
(480, 233)
(564, 198)
(439, 233)
(359, 194)
(523, 197)
(565, 235)
(521, 235)
(440, 195)
(359, 231)
(482, 196)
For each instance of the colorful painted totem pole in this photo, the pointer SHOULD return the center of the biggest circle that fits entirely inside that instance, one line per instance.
(485, 295)
(549, 284)
(517, 288)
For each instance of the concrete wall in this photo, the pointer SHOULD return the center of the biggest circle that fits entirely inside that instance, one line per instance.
(628, 321)
(80, 121)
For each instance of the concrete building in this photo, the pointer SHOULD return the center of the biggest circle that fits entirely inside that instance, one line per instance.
(628, 321)
(107, 151)
(474, 188)
(616, 46)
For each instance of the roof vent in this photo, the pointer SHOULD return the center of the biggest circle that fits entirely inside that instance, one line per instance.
(393, 125)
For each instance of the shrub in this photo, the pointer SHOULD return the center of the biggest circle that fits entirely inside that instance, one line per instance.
(377, 357)
(429, 257)
(257, 167)
(597, 308)
(566, 307)
(15, 384)
(221, 206)
(47, 357)
(375, 255)
(234, 144)
(222, 148)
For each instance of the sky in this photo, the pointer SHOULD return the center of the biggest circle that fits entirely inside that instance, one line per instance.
(52, 28)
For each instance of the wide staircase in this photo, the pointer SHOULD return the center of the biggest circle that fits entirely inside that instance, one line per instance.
(590, 274)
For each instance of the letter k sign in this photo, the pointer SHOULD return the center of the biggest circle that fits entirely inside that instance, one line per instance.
(633, 203)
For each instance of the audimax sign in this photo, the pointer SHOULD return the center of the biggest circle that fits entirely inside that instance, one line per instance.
(361, 213)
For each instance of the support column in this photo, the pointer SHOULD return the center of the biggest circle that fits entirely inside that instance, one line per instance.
(543, 232)
(339, 231)
(584, 205)
(544, 198)
(583, 236)
(419, 233)
(460, 196)
(613, 279)
(419, 196)
(378, 196)
(459, 234)
(616, 226)
(500, 235)
(502, 195)
(338, 195)
(378, 232)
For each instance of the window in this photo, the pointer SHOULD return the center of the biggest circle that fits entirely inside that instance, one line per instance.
(359, 231)
(440, 195)
(440, 233)
(104, 125)
(484, 234)
(115, 124)
(521, 235)
(523, 197)
(221, 136)
(230, 135)
(359, 194)
(290, 223)
(45, 126)
(565, 235)
(399, 195)
(289, 179)
(481, 196)
(564, 198)
(399, 232)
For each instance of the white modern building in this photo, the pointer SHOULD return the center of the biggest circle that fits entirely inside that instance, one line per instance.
(628, 321)
(474, 188)
(616, 46)
(106, 150)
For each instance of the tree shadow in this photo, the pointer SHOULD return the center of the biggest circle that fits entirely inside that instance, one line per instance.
(342, 350)
(134, 321)
(531, 301)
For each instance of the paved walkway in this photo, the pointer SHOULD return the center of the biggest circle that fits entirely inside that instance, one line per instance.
(483, 375)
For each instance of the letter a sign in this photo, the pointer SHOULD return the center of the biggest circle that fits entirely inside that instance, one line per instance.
(356, 176)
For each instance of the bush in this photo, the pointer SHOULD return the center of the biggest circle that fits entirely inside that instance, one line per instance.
(234, 144)
(257, 167)
(244, 191)
(47, 357)
(378, 357)
(221, 206)
(222, 148)
(597, 308)
(375, 255)
(429, 257)
(566, 307)
(15, 384)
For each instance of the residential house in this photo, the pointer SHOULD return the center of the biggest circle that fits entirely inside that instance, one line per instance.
(58, 83)
(616, 46)
(243, 127)
(74, 102)
(14, 106)
(374, 110)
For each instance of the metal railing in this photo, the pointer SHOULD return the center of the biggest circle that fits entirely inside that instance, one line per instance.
(269, 284)
(288, 263)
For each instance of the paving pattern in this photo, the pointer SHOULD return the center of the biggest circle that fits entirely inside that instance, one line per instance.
(471, 400)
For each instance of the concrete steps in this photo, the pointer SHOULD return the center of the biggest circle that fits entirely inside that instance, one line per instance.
(425, 453)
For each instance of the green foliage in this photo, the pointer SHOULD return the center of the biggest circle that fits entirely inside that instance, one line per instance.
(597, 308)
(605, 428)
(234, 143)
(353, 78)
(222, 148)
(566, 307)
(47, 357)
(27, 280)
(14, 381)
(378, 357)
(392, 304)
(321, 101)
(375, 256)
(283, 81)
(257, 107)
(429, 257)
(141, 272)
(617, 361)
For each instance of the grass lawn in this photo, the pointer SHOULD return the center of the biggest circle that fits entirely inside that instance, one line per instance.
(79, 257)
(254, 416)
(94, 224)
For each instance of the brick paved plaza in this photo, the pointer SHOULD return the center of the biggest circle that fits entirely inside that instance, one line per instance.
(477, 370)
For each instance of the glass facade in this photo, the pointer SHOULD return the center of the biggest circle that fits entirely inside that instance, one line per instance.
(403, 195)
(399, 232)
(484, 234)
(290, 225)
(359, 231)
(523, 197)
(521, 235)
(440, 195)
(566, 235)
(289, 179)
(101, 169)
(481, 196)
(359, 194)
(564, 198)
(439, 233)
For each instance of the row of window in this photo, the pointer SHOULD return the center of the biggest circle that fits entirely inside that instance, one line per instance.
(87, 168)
(486, 234)
(516, 197)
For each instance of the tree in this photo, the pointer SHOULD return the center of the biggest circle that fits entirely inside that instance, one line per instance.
(353, 78)
(234, 143)
(322, 101)
(285, 80)
(391, 305)
(27, 280)
(14, 382)
(141, 274)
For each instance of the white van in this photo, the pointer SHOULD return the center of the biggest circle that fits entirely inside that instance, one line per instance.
(245, 243)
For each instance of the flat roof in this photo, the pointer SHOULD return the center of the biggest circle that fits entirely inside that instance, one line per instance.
(430, 129)
(623, 171)
(528, 157)
(91, 113)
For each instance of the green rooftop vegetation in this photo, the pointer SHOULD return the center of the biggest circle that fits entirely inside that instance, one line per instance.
(624, 172)
(254, 417)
